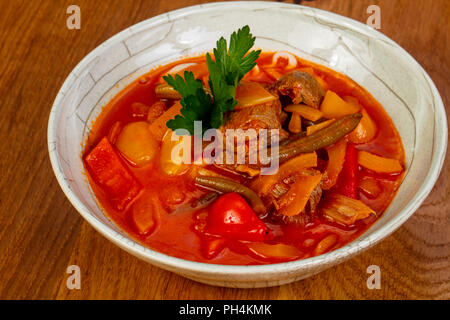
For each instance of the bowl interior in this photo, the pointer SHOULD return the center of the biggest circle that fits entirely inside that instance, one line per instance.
(366, 56)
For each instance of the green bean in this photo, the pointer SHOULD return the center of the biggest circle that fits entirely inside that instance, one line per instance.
(321, 138)
(205, 200)
(226, 185)
(292, 138)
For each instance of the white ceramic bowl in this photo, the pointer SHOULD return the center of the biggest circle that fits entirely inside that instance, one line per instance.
(396, 80)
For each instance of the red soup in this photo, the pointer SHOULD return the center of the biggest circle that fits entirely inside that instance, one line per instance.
(341, 161)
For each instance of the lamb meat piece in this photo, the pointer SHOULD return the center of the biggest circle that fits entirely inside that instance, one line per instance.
(301, 87)
(264, 116)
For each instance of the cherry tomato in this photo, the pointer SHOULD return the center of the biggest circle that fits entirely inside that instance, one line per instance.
(231, 217)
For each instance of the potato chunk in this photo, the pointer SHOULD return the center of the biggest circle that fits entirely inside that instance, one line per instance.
(137, 144)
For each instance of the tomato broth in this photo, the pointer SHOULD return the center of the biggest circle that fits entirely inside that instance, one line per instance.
(177, 231)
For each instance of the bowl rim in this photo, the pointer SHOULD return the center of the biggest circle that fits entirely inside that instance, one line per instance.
(335, 256)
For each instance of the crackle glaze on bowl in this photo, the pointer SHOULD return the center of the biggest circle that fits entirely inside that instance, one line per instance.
(388, 72)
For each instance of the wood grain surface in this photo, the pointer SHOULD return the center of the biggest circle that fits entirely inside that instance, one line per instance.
(41, 234)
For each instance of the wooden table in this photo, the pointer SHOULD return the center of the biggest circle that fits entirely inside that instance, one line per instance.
(41, 234)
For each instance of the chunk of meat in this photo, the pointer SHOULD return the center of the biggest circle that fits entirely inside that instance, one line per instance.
(263, 116)
(301, 87)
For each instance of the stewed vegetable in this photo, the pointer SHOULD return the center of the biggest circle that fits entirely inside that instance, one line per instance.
(244, 157)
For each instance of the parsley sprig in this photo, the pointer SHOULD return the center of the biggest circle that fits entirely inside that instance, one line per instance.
(225, 73)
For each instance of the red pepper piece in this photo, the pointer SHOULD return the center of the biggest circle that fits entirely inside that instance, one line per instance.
(212, 247)
(109, 171)
(231, 217)
(348, 177)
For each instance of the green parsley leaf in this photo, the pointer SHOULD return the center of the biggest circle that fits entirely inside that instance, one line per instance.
(232, 62)
(195, 101)
(224, 94)
(230, 66)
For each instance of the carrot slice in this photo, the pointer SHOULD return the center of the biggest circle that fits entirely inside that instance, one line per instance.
(112, 174)
(274, 73)
(263, 184)
(158, 127)
(305, 111)
(370, 187)
(294, 201)
(295, 124)
(378, 164)
(345, 210)
(334, 106)
(252, 93)
(275, 251)
(365, 131)
(336, 158)
(212, 247)
(326, 244)
(311, 129)
(352, 100)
